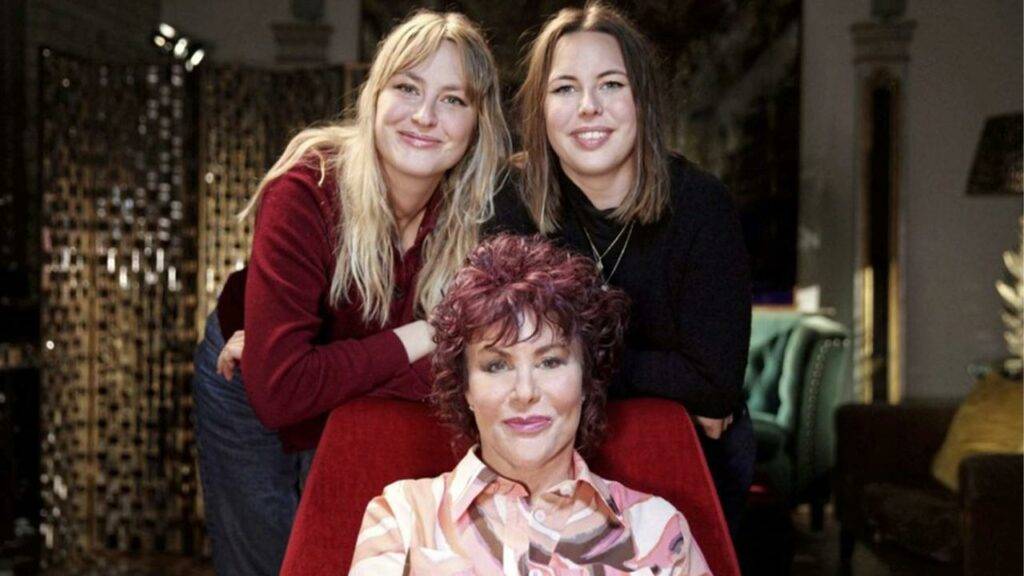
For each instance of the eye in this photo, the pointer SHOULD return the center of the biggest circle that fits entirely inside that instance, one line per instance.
(495, 366)
(613, 85)
(551, 362)
(454, 101)
(406, 88)
(564, 89)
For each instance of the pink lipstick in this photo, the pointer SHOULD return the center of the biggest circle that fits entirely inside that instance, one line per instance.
(528, 425)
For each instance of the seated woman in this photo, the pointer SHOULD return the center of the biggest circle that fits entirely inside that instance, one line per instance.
(527, 336)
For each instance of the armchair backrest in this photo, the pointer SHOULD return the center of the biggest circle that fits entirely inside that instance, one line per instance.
(369, 443)
(773, 366)
(795, 376)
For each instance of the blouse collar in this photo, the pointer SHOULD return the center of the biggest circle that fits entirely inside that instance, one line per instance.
(472, 477)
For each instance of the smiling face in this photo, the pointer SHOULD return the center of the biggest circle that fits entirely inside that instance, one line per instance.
(589, 110)
(526, 399)
(424, 121)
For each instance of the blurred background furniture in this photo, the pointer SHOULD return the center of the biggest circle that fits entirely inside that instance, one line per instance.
(794, 379)
(886, 494)
(651, 446)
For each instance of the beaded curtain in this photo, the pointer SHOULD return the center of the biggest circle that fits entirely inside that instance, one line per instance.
(117, 309)
(143, 169)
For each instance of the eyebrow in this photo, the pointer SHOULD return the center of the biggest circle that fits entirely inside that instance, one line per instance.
(445, 88)
(540, 351)
(601, 75)
(545, 349)
(493, 349)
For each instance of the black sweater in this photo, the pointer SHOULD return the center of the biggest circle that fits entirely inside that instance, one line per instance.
(689, 281)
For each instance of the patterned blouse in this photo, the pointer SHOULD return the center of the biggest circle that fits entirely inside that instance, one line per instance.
(472, 521)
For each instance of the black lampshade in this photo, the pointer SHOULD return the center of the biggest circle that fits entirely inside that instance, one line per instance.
(997, 165)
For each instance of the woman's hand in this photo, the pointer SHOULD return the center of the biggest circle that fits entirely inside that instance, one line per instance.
(418, 339)
(714, 427)
(231, 355)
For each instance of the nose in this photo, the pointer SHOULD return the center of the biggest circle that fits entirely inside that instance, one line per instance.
(525, 392)
(425, 116)
(589, 104)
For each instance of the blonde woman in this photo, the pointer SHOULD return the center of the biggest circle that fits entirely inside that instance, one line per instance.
(358, 229)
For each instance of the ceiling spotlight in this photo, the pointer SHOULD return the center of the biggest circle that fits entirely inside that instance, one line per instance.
(181, 47)
(170, 40)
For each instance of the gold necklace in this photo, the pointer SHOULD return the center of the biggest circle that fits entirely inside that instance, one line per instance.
(610, 246)
(599, 258)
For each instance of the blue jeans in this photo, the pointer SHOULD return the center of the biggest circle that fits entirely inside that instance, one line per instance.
(731, 460)
(251, 487)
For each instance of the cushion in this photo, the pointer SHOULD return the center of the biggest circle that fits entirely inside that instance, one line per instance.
(989, 420)
(764, 368)
(770, 437)
(923, 521)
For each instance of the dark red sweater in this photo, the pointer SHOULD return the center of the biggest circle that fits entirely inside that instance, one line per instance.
(302, 356)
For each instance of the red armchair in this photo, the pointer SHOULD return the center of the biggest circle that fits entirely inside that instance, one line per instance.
(651, 446)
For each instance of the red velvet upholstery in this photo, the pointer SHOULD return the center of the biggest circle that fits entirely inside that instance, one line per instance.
(651, 446)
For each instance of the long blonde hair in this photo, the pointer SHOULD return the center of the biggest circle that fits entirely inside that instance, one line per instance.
(649, 198)
(367, 232)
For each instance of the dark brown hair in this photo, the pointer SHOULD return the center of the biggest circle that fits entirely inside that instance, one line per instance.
(506, 278)
(650, 196)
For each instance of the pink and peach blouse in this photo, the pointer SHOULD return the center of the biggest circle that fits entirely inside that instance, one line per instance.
(472, 521)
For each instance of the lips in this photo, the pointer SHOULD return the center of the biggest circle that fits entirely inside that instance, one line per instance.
(591, 137)
(528, 425)
(417, 140)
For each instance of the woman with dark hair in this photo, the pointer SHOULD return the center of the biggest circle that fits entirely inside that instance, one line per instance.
(596, 175)
(527, 336)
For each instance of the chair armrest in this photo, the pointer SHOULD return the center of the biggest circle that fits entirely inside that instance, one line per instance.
(990, 490)
(883, 443)
(824, 379)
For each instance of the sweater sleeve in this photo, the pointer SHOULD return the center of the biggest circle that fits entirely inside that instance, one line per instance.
(414, 382)
(711, 289)
(510, 214)
(289, 376)
(231, 304)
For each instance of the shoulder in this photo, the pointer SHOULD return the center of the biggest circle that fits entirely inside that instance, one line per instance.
(510, 213)
(309, 184)
(411, 498)
(650, 517)
(693, 189)
(415, 488)
(641, 506)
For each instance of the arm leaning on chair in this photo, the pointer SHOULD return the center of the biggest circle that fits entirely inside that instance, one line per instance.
(295, 371)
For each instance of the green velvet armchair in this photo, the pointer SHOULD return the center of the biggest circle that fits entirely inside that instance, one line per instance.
(795, 376)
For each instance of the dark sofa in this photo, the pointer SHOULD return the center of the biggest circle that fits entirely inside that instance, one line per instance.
(885, 494)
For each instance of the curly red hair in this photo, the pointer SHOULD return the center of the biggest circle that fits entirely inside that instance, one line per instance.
(507, 278)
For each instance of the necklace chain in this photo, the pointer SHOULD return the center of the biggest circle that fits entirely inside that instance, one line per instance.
(600, 257)
(610, 246)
